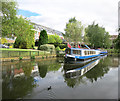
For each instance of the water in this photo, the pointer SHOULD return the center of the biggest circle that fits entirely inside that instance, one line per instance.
(54, 79)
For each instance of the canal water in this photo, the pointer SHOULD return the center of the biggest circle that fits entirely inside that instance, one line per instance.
(54, 79)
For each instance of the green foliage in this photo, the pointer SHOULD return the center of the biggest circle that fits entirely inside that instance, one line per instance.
(3, 40)
(9, 11)
(117, 43)
(47, 47)
(25, 36)
(42, 57)
(72, 20)
(13, 26)
(97, 36)
(62, 46)
(12, 60)
(57, 48)
(43, 38)
(20, 58)
(51, 39)
(55, 39)
(73, 30)
(107, 41)
(33, 57)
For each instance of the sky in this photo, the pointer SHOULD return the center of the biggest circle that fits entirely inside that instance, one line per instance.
(56, 13)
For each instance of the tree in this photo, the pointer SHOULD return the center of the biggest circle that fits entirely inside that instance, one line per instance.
(73, 31)
(24, 33)
(9, 11)
(97, 36)
(55, 39)
(107, 42)
(117, 43)
(43, 38)
(51, 39)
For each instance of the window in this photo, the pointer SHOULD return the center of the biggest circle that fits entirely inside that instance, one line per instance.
(77, 52)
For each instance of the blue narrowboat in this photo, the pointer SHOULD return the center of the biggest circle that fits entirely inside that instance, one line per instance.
(81, 55)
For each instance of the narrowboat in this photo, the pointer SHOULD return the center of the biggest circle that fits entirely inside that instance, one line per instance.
(80, 55)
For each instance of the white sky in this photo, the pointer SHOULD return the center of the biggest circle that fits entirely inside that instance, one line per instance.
(56, 13)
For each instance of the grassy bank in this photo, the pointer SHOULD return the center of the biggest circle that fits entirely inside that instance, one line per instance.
(113, 52)
(15, 49)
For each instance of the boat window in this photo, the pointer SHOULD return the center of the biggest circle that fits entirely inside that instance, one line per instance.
(77, 52)
(88, 52)
(85, 52)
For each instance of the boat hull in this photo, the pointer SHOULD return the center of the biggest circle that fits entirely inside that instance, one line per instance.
(80, 59)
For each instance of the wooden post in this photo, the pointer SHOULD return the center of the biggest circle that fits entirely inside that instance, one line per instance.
(38, 53)
(8, 54)
(30, 54)
(19, 53)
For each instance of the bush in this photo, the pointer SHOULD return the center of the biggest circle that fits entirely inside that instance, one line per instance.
(43, 47)
(48, 47)
(20, 58)
(62, 46)
(12, 60)
(22, 43)
(32, 57)
(42, 57)
(57, 48)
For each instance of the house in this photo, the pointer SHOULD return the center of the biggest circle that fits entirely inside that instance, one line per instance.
(38, 28)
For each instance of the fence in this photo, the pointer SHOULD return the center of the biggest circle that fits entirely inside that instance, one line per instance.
(7, 54)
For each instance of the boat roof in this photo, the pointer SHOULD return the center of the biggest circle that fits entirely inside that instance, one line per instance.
(83, 49)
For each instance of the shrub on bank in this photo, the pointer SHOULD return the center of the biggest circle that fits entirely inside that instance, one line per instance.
(62, 46)
(57, 48)
(43, 47)
(47, 47)
(20, 58)
(32, 57)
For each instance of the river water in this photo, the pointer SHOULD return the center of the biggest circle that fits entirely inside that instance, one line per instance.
(54, 79)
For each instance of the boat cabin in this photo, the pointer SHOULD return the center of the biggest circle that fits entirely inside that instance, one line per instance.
(81, 52)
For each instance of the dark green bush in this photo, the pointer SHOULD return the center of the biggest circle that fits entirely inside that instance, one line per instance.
(32, 57)
(42, 57)
(57, 48)
(62, 46)
(12, 60)
(20, 58)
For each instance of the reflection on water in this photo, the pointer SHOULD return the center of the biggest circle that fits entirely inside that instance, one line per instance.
(32, 79)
